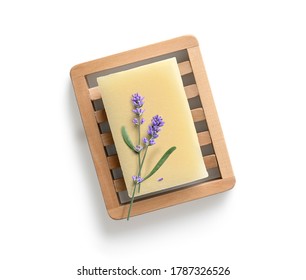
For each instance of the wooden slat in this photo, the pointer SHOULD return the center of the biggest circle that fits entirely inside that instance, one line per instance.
(185, 68)
(198, 114)
(191, 91)
(94, 93)
(101, 116)
(204, 138)
(95, 143)
(210, 112)
(113, 162)
(210, 161)
(107, 139)
(119, 185)
(132, 56)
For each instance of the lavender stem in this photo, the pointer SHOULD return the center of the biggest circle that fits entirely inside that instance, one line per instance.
(139, 163)
(143, 159)
(131, 203)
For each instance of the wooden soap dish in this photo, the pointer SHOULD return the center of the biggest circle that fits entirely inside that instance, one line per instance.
(215, 155)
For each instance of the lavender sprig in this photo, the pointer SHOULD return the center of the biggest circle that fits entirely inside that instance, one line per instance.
(153, 131)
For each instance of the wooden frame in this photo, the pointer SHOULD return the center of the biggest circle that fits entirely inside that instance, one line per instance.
(92, 116)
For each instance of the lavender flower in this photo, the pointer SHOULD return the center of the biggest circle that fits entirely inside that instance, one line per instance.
(153, 132)
(160, 179)
(138, 111)
(145, 140)
(137, 179)
(157, 121)
(137, 100)
(154, 128)
(148, 142)
(136, 121)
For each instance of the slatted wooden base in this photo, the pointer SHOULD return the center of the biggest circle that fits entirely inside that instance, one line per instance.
(203, 112)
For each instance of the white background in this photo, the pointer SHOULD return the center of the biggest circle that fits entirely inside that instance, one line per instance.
(53, 218)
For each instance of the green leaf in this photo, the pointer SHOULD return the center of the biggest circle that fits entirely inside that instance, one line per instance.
(127, 139)
(160, 162)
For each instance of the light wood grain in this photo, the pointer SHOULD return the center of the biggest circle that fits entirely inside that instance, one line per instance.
(113, 161)
(119, 185)
(95, 143)
(198, 114)
(131, 56)
(101, 116)
(94, 93)
(191, 91)
(204, 138)
(107, 139)
(210, 112)
(185, 68)
(210, 161)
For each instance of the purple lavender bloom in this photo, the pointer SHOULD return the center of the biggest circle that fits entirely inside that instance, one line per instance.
(138, 111)
(152, 132)
(136, 122)
(152, 142)
(157, 121)
(137, 179)
(155, 127)
(137, 100)
(145, 141)
(160, 179)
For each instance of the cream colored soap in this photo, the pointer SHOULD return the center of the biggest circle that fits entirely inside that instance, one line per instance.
(161, 85)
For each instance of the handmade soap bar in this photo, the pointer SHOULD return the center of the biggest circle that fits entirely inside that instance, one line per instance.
(161, 86)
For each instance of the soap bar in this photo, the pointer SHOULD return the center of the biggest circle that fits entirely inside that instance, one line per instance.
(161, 86)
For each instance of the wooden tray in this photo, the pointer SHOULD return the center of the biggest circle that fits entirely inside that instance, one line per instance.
(211, 140)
